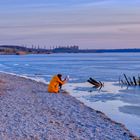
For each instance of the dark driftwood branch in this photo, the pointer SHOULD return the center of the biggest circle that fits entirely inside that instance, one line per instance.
(129, 81)
(95, 83)
(139, 80)
(134, 80)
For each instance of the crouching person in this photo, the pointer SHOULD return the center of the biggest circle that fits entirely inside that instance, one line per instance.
(56, 83)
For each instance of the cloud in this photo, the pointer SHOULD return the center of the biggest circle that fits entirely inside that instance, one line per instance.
(62, 2)
(100, 22)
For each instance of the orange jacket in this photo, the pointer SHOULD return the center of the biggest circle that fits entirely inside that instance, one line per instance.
(53, 86)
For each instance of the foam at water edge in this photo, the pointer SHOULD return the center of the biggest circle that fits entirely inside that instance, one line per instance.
(27, 77)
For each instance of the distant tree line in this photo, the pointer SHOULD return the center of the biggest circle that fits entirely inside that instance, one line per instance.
(13, 49)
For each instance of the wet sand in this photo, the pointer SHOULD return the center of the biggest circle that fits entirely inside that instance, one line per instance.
(29, 112)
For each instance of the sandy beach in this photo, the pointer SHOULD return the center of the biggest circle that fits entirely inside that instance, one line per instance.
(29, 112)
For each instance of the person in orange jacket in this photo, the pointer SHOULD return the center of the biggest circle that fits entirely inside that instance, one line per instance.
(56, 83)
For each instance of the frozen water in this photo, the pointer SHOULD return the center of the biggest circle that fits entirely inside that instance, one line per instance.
(120, 103)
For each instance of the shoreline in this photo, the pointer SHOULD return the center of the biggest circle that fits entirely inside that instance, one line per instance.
(51, 115)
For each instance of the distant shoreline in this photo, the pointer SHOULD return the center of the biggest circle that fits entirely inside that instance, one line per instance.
(32, 112)
(20, 50)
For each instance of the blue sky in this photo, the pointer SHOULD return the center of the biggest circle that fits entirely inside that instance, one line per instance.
(87, 23)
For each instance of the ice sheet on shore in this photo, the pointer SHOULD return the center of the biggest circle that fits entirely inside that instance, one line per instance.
(117, 102)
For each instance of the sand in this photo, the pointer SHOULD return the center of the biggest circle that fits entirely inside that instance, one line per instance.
(29, 112)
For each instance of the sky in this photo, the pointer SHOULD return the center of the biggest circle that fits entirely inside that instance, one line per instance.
(92, 24)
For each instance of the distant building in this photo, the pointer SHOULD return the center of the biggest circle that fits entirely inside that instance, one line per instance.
(63, 49)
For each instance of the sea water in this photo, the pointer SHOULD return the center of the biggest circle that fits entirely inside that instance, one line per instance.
(121, 103)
